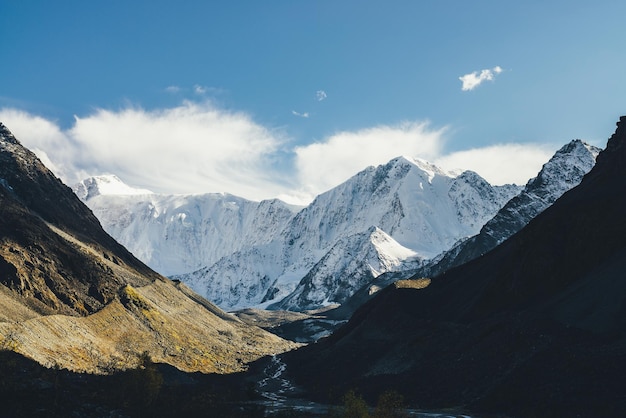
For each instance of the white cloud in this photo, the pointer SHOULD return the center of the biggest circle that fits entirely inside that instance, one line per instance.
(320, 95)
(323, 165)
(172, 89)
(187, 149)
(42, 137)
(500, 164)
(472, 80)
(197, 148)
(302, 115)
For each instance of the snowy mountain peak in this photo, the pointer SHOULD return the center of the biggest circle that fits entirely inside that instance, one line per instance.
(391, 217)
(105, 185)
(419, 166)
(349, 264)
(7, 136)
(562, 172)
(565, 169)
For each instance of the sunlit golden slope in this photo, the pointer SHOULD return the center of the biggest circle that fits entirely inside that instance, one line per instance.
(72, 297)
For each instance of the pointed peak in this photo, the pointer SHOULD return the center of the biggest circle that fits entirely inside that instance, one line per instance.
(6, 135)
(416, 161)
(471, 176)
(577, 145)
(403, 159)
(425, 166)
(569, 163)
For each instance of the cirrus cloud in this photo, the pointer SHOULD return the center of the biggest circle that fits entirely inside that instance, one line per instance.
(302, 115)
(172, 89)
(320, 95)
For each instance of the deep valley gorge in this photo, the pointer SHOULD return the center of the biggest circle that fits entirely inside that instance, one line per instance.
(407, 290)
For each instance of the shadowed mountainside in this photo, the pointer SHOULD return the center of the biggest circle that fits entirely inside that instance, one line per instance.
(535, 327)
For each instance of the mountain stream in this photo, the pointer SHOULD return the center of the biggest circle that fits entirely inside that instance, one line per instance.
(280, 395)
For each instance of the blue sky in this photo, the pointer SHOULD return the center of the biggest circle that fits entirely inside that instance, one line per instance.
(288, 98)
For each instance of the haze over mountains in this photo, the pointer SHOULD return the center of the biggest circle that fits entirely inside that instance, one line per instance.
(397, 217)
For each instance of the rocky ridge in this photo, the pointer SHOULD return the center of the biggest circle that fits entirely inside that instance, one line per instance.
(563, 171)
(72, 297)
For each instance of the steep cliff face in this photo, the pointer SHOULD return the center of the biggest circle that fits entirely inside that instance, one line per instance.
(72, 297)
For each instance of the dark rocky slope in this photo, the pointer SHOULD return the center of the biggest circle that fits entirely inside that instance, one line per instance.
(46, 270)
(535, 327)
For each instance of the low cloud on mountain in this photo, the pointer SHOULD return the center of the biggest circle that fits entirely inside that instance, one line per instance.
(197, 147)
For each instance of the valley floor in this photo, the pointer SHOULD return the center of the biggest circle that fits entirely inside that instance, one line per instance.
(28, 389)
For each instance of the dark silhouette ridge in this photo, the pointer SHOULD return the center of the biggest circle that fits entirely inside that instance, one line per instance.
(534, 327)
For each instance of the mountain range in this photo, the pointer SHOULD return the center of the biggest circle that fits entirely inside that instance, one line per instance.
(402, 216)
(532, 325)
(176, 234)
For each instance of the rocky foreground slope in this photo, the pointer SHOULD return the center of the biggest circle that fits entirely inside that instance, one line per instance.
(72, 297)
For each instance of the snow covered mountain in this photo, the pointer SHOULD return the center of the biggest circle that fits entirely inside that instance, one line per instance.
(406, 215)
(384, 218)
(176, 234)
(564, 171)
(361, 258)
